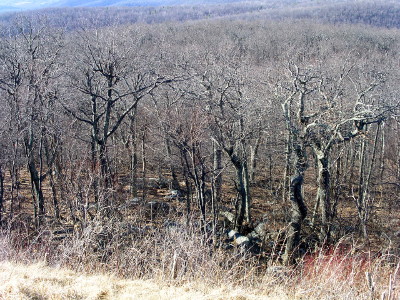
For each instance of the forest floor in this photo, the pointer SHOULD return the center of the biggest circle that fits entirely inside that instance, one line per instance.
(353, 273)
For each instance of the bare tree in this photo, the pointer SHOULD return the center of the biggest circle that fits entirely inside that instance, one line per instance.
(320, 116)
(32, 53)
(112, 78)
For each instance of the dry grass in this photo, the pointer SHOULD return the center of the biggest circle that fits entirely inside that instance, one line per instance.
(107, 261)
(37, 281)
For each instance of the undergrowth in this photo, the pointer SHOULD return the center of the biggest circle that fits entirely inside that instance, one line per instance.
(178, 254)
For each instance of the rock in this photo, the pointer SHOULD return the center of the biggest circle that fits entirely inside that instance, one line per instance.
(237, 238)
(242, 241)
(259, 233)
(174, 194)
(254, 236)
(228, 217)
(232, 234)
(261, 230)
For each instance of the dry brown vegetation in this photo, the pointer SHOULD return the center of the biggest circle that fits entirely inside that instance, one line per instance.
(199, 273)
(204, 159)
(38, 281)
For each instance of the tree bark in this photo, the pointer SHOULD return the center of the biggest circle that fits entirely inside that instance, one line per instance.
(144, 163)
(298, 207)
(14, 174)
(175, 181)
(253, 159)
(243, 187)
(288, 154)
(360, 201)
(133, 153)
(217, 173)
(216, 184)
(35, 176)
(363, 201)
(133, 170)
(37, 193)
(1, 194)
(323, 193)
(56, 206)
(382, 160)
(186, 175)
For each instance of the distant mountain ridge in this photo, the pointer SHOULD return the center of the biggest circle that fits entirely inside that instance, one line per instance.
(71, 14)
(11, 5)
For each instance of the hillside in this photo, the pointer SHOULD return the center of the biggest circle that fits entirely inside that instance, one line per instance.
(221, 150)
(8, 5)
(72, 14)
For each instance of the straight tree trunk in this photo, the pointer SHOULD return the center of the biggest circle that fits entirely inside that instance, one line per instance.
(196, 170)
(382, 159)
(56, 206)
(186, 176)
(286, 179)
(1, 194)
(246, 181)
(253, 159)
(144, 164)
(201, 198)
(36, 180)
(133, 171)
(14, 174)
(94, 167)
(133, 153)
(104, 167)
(271, 180)
(175, 181)
(50, 153)
(217, 173)
(243, 209)
(361, 204)
(37, 194)
(216, 184)
(337, 187)
(323, 196)
(364, 183)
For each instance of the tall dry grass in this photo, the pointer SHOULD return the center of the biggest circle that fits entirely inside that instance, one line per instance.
(178, 255)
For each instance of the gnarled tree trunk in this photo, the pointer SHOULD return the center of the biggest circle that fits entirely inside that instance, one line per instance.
(298, 208)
